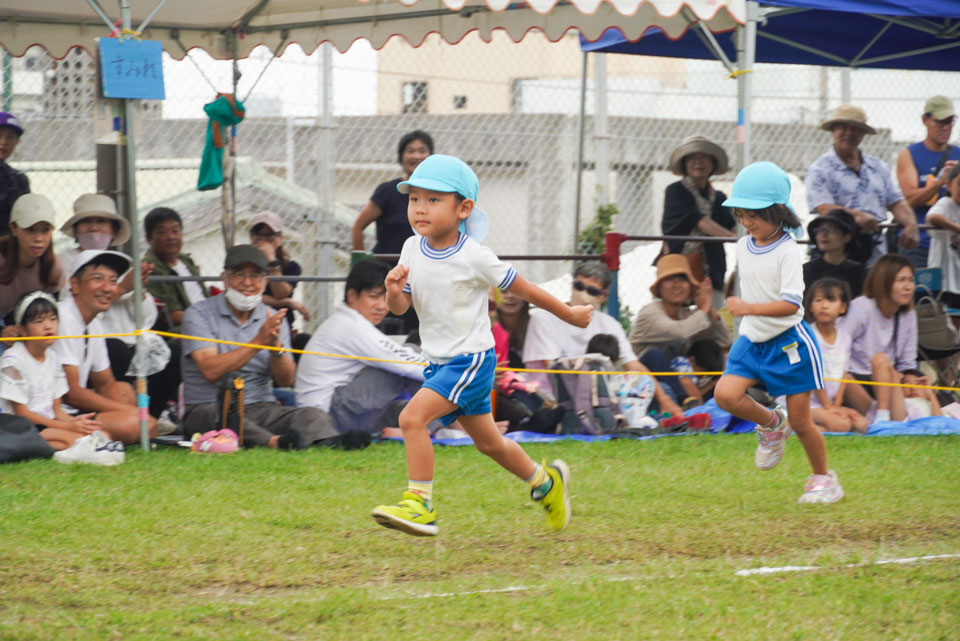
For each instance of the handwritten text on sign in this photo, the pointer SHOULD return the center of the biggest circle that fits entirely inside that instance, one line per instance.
(131, 68)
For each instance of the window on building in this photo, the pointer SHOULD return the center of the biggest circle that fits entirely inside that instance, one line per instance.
(459, 102)
(414, 97)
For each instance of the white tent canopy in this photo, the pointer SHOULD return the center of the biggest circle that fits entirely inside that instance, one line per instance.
(228, 28)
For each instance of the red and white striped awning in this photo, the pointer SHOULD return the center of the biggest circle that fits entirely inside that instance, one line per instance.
(59, 25)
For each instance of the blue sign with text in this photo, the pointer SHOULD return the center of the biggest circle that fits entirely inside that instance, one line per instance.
(131, 68)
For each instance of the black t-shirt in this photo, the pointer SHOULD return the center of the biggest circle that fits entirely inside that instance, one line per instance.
(851, 272)
(13, 184)
(393, 226)
(291, 268)
(680, 218)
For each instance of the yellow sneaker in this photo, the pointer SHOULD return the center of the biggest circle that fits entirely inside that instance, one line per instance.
(556, 502)
(410, 515)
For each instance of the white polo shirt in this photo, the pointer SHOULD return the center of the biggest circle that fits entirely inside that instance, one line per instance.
(86, 354)
(346, 331)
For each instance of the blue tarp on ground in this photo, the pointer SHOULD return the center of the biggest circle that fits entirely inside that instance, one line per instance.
(725, 423)
(840, 28)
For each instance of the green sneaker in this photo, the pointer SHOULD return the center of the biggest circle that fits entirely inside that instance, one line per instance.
(556, 502)
(410, 515)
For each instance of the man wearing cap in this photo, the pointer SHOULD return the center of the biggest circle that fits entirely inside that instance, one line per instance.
(922, 168)
(847, 178)
(13, 183)
(92, 386)
(239, 315)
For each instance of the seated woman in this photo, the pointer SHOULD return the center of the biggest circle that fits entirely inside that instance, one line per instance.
(669, 326)
(691, 207)
(266, 234)
(27, 261)
(882, 325)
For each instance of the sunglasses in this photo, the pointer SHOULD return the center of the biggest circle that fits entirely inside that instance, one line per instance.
(580, 286)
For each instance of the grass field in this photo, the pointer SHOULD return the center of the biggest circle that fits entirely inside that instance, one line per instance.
(268, 545)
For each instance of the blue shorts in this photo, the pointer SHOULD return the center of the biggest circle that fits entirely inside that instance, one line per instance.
(786, 364)
(465, 381)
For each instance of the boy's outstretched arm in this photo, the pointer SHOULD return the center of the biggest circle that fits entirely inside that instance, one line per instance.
(578, 315)
(397, 300)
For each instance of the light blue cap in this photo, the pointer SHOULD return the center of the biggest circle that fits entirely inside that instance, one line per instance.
(449, 174)
(758, 186)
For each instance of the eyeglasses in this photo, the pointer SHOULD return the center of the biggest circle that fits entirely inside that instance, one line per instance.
(99, 279)
(255, 277)
(580, 286)
(946, 122)
(267, 235)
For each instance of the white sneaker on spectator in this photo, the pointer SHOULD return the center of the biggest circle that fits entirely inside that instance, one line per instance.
(166, 423)
(822, 488)
(771, 441)
(94, 449)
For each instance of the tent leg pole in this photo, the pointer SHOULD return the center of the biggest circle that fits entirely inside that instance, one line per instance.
(746, 55)
(845, 85)
(581, 129)
(143, 399)
(600, 135)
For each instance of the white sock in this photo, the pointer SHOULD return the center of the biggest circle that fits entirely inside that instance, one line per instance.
(882, 415)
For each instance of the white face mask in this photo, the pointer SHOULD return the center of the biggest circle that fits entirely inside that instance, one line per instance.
(242, 302)
(94, 240)
(583, 298)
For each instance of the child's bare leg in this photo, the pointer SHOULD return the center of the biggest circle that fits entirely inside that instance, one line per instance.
(425, 406)
(488, 440)
(828, 421)
(59, 439)
(124, 426)
(882, 373)
(731, 396)
(856, 397)
(798, 409)
(857, 420)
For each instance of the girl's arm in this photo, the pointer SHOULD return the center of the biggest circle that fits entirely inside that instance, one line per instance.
(738, 307)
(938, 220)
(823, 398)
(838, 399)
(578, 315)
(21, 410)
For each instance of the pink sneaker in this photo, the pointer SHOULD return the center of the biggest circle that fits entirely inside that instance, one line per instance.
(822, 488)
(216, 442)
(771, 441)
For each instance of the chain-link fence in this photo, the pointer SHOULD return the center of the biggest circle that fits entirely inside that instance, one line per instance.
(509, 109)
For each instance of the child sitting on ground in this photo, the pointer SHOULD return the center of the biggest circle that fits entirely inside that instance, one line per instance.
(908, 403)
(32, 381)
(826, 300)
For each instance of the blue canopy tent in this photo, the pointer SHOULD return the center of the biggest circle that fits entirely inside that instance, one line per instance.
(920, 34)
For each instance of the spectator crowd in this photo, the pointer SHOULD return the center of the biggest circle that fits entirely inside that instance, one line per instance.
(80, 392)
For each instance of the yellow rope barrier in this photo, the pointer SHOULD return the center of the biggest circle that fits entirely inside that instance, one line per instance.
(290, 350)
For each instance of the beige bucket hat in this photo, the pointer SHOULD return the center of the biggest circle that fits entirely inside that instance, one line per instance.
(848, 115)
(699, 144)
(99, 206)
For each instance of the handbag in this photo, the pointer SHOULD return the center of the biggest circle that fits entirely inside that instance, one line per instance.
(935, 330)
(20, 440)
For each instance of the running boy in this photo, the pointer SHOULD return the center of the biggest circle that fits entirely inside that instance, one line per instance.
(445, 273)
(776, 347)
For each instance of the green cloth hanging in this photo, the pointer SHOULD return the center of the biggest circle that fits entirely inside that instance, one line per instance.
(223, 112)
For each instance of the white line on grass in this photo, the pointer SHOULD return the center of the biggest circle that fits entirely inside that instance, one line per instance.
(763, 570)
(810, 568)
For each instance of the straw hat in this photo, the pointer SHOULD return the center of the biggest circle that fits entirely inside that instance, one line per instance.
(698, 144)
(97, 206)
(672, 265)
(848, 115)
